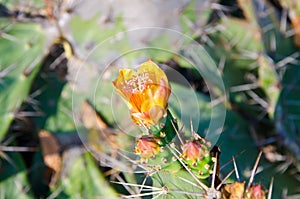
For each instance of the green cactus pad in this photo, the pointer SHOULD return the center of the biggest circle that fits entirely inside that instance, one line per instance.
(165, 129)
(21, 53)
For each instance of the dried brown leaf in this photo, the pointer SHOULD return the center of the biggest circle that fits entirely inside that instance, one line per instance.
(234, 190)
(90, 118)
(101, 137)
(51, 155)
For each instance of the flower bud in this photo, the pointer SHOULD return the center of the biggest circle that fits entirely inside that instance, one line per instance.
(256, 192)
(147, 147)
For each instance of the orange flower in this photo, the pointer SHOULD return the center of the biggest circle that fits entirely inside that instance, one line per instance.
(146, 91)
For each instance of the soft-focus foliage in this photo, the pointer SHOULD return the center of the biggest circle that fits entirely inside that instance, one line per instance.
(235, 58)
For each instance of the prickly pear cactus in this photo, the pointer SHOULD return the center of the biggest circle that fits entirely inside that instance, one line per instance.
(149, 151)
(175, 171)
(24, 43)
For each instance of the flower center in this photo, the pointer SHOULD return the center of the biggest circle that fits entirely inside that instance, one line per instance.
(138, 83)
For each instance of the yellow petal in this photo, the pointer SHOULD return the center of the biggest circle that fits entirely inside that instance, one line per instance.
(146, 91)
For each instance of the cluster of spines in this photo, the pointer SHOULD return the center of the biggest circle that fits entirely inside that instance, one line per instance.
(153, 149)
(200, 163)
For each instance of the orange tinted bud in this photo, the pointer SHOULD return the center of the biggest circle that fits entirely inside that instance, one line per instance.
(147, 147)
(192, 151)
(256, 192)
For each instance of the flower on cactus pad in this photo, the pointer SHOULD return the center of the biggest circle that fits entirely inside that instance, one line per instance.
(256, 192)
(147, 147)
(196, 155)
(146, 92)
(193, 151)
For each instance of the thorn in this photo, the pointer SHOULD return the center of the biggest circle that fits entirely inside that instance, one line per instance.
(18, 148)
(132, 161)
(136, 185)
(221, 64)
(270, 189)
(214, 171)
(180, 139)
(192, 127)
(239, 154)
(143, 125)
(203, 186)
(30, 68)
(236, 170)
(6, 70)
(7, 158)
(258, 99)
(244, 87)
(189, 193)
(119, 178)
(143, 184)
(9, 37)
(287, 60)
(27, 114)
(254, 169)
(38, 92)
(187, 181)
(223, 181)
(144, 194)
(273, 44)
